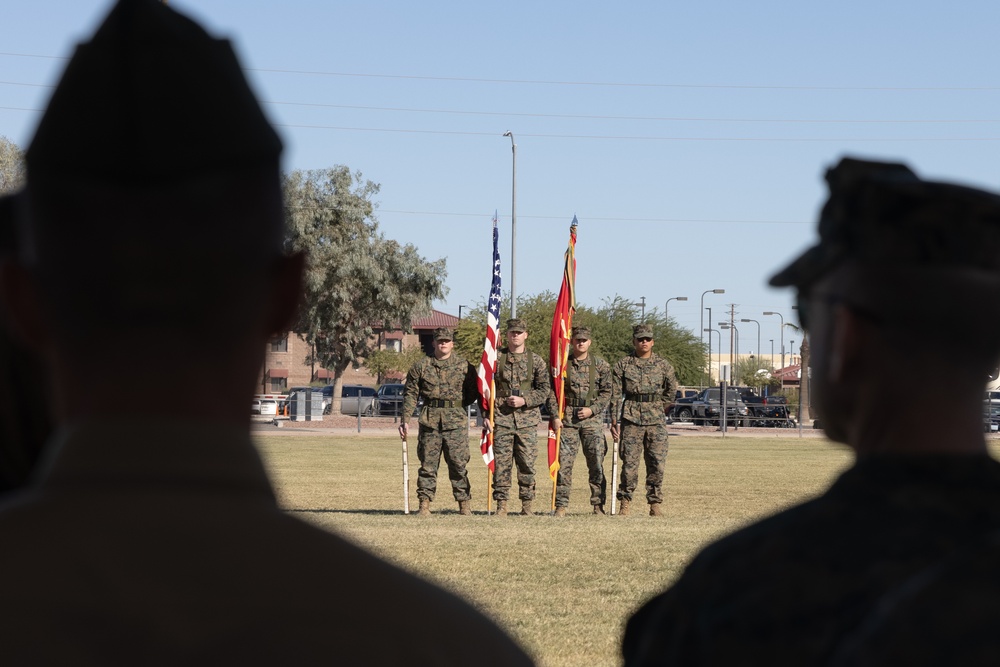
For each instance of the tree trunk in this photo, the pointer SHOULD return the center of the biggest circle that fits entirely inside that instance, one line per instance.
(804, 377)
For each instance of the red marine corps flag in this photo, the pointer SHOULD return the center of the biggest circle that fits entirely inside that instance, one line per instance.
(562, 325)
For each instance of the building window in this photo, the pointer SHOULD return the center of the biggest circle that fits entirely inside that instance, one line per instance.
(278, 385)
(279, 344)
(395, 345)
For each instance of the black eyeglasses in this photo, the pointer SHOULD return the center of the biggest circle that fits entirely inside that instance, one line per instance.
(805, 300)
(644, 339)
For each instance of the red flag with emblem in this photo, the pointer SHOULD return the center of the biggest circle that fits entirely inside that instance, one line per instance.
(562, 324)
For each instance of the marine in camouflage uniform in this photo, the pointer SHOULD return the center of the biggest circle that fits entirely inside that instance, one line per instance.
(587, 388)
(522, 385)
(867, 573)
(447, 384)
(643, 384)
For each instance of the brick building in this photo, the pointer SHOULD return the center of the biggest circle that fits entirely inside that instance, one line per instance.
(289, 359)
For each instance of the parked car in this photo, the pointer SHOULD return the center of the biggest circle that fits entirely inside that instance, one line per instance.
(354, 399)
(681, 410)
(766, 410)
(389, 400)
(991, 412)
(707, 407)
(264, 406)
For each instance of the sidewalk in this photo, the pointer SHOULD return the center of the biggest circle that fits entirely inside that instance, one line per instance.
(346, 425)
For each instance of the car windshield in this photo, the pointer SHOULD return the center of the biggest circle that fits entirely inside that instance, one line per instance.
(731, 394)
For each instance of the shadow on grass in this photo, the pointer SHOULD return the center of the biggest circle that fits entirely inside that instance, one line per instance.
(413, 513)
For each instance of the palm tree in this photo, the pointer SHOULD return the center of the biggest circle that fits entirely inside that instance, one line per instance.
(803, 373)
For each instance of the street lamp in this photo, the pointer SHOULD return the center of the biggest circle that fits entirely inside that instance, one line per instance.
(513, 225)
(673, 298)
(758, 333)
(460, 312)
(702, 312)
(642, 304)
(709, 309)
(710, 350)
(772, 353)
(782, 331)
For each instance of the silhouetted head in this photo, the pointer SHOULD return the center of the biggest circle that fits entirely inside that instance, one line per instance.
(903, 269)
(154, 194)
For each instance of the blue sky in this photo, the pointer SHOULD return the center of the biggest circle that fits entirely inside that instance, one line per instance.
(690, 139)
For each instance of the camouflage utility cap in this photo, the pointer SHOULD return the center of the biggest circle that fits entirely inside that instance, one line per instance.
(443, 333)
(882, 214)
(581, 332)
(516, 324)
(642, 331)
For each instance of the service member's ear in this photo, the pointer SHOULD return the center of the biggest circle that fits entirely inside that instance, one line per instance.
(847, 344)
(21, 301)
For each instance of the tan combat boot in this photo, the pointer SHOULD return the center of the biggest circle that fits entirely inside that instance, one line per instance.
(655, 510)
(599, 509)
(463, 507)
(425, 507)
(623, 511)
(526, 508)
(501, 508)
(560, 511)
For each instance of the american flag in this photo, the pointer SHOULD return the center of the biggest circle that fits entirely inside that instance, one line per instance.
(488, 363)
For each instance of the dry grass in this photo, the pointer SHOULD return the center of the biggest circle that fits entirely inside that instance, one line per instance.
(562, 587)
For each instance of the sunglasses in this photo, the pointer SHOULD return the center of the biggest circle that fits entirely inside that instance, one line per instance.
(644, 339)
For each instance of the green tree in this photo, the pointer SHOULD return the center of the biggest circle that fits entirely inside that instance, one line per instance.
(753, 371)
(610, 325)
(356, 279)
(11, 165)
(381, 362)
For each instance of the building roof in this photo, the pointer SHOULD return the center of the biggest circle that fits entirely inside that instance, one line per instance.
(788, 373)
(433, 321)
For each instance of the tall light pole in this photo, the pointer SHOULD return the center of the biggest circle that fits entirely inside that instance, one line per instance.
(513, 225)
(769, 312)
(702, 311)
(710, 350)
(709, 309)
(460, 312)
(772, 353)
(758, 334)
(673, 298)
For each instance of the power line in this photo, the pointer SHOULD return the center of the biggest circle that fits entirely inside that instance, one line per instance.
(646, 138)
(555, 82)
(562, 218)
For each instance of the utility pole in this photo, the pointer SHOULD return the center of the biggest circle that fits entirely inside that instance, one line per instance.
(732, 337)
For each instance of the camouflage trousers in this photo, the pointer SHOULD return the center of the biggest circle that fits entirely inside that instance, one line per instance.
(643, 441)
(455, 445)
(591, 435)
(514, 447)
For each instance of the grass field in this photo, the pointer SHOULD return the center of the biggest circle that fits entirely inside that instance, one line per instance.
(562, 587)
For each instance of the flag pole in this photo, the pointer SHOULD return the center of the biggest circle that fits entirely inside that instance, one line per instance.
(614, 476)
(562, 323)
(406, 481)
(489, 439)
